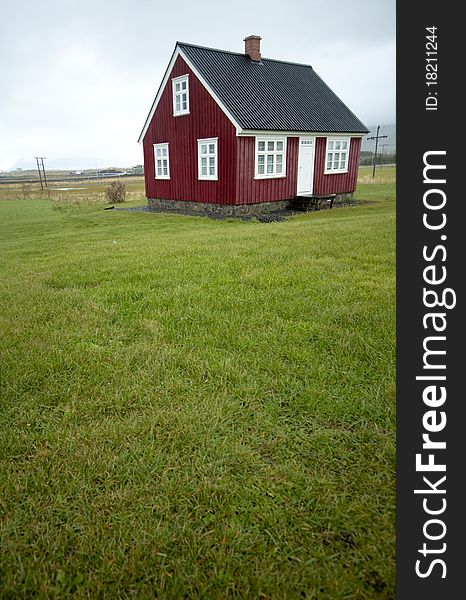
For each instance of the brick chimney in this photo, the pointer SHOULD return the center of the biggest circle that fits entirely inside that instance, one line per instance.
(252, 47)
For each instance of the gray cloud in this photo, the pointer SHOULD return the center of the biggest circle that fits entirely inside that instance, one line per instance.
(77, 77)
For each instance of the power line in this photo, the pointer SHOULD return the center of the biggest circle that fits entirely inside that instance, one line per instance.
(376, 137)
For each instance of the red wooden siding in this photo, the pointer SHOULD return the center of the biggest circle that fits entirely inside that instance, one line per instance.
(206, 120)
(236, 155)
(339, 183)
(250, 190)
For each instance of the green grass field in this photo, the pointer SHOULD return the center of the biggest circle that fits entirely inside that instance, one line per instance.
(196, 408)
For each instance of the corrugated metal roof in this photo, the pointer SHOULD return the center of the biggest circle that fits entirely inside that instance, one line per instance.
(272, 95)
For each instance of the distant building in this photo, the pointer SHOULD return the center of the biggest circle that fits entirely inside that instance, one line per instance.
(137, 170)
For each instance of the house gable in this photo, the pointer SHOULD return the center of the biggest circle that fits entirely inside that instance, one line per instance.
(167, 81)
(181, 133)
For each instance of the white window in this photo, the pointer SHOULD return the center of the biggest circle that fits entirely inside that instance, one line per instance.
(270, 157)
(207, 158)
(336, 158)
(162, 161)
(180, 86)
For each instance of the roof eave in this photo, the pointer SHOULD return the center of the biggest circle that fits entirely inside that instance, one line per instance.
(289, 132)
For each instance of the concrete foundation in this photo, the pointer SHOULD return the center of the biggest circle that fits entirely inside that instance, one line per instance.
(222, 211)
(344, 199)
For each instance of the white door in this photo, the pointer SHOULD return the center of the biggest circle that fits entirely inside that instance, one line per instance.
(305, 165)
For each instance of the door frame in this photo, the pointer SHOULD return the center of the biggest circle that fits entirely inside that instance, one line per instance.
(313, 138)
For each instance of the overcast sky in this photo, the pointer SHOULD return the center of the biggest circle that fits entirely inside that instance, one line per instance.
(77, 77)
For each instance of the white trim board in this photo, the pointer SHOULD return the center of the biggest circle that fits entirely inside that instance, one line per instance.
(178, 52)
(256, 132)
(159, 94)
(227, 113)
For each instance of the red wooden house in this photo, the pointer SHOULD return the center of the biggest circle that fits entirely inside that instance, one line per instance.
(237, 133)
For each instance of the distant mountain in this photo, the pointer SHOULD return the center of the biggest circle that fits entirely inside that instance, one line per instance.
(388, 130)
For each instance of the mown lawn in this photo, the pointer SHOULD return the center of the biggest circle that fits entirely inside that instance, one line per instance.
(196, 408)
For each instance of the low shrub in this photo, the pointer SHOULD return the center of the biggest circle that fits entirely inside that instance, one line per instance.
(115, 192)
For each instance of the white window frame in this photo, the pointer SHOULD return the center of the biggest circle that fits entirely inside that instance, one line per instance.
(258, 152)
(208, 155)
(175, 94)
(161, 158)
(334, 151)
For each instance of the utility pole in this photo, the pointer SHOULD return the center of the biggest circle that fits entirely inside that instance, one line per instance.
(42, 158)
(38, 168)
(376, 137)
